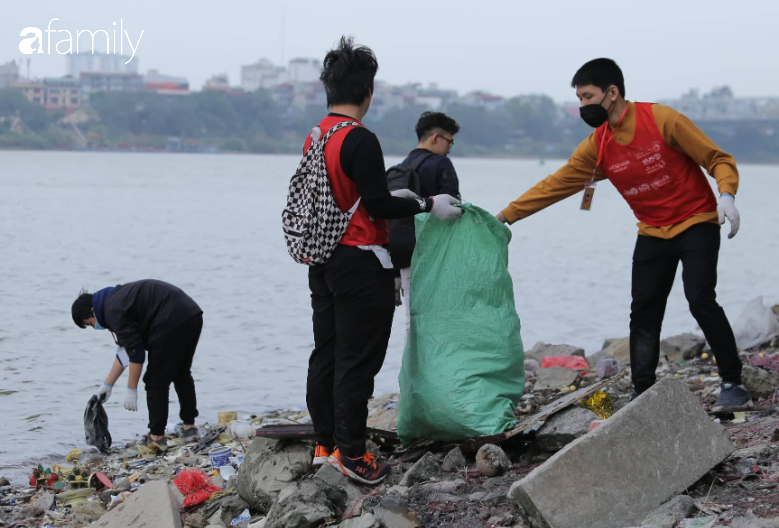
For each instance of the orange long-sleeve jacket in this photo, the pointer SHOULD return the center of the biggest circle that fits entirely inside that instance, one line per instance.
(678, 132)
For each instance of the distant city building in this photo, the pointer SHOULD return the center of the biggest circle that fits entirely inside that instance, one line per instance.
(434, 98)
(309, 94)
(304, 70)
(154, 81)
(62, 93)
(484, 100)
(265, 74)
(9, 73)
(262, 74)
(721, 105)
(221, 83)
(387, 97)
(104, 62)
(102, 81)
(35, 91)
(218, 82)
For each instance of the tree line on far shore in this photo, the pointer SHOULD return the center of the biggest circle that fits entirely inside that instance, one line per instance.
(528, 126)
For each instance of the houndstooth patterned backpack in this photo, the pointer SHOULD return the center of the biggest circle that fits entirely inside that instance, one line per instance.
(313, 224)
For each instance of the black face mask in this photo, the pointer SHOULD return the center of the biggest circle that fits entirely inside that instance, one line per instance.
(594, 114)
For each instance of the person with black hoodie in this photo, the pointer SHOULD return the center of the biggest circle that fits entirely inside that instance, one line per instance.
(154, 316)
(436, 175)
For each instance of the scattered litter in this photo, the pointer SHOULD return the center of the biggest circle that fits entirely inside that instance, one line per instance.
(220, 456)
(245, 516)
(700, 522)
(74, 455)
(195, 486)
(225, 417)
(571, 362)
(96, 426)
(607, 367)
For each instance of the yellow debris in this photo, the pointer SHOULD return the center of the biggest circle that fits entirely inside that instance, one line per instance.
(600, 403)
(73, 456)
(704, 356)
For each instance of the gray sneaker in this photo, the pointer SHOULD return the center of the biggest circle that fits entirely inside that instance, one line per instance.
(189, 434)
(147, 441)
(732, 398)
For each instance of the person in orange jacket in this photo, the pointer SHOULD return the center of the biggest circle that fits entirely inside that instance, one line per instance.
(653, 155)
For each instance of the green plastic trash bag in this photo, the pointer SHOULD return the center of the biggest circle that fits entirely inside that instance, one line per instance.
(463, 366)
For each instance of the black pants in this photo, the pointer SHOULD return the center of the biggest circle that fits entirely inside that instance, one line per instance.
(654, 267)
(170, 361)
(353, 299)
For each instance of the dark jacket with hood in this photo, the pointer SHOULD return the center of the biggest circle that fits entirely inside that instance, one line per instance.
(142, 312)
(436, 176)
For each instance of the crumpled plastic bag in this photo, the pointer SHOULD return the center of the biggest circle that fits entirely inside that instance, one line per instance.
(608, 367)
(571, 362)
(96, 426)
(195, 485)
(756, 325)
(601, 404)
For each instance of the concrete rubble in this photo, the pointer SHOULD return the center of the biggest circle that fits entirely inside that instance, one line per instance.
(564, 427)
(670, 514)
(685, 346)
(268, 467)
(153, 505)
(555, 378)
(662, 461)
(653, 449)
(492, 461)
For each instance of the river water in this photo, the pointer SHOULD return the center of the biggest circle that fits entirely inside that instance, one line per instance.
(211, 225)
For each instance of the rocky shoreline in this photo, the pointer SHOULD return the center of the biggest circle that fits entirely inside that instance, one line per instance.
(270, 482)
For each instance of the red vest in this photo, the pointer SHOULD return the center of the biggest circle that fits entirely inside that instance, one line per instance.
(362, 230)
(662, 185)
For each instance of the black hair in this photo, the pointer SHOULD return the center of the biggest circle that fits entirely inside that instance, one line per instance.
(348, 72)
(430, 121)
(601, 73)
(82, 308)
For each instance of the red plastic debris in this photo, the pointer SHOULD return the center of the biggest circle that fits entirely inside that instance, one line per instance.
(195, 486)
(571, 362)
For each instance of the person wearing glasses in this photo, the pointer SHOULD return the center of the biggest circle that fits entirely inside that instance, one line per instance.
(436, 175)
(155, 316)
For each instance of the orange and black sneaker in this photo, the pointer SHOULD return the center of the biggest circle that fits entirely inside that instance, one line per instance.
(321, 454)
(362, 469)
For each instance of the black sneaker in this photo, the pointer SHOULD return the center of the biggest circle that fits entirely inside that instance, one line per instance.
(732, 398)
(362, 469)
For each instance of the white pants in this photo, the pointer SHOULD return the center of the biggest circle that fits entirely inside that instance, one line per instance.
(405, 285)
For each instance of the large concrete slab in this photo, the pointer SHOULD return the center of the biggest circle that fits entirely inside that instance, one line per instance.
(154, 505)
(616, 475)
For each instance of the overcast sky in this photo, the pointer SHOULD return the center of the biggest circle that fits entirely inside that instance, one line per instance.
(506, 47)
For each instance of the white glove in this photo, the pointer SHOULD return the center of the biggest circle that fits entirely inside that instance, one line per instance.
(443, 208)
(104, 392)
(727, 209)
(131, 399)
(405, 193)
